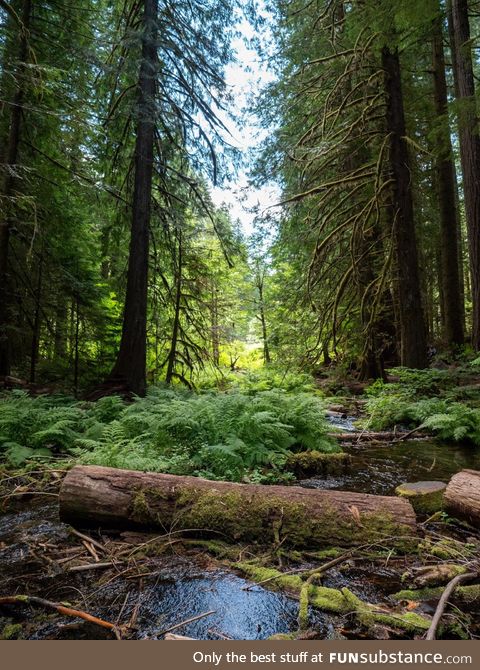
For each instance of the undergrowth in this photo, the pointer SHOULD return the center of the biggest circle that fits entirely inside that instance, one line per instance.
(427, 399)
(235, 436)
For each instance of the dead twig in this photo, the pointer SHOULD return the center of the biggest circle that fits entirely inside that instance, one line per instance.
(184, 623)
(88, 539)
(90, 566)
(442, 603)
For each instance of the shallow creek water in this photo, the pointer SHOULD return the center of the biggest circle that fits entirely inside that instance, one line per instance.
(380, 468)
(179, 587)
(184, 585)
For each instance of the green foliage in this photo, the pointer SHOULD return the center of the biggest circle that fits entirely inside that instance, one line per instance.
(425, 398)
(37, 427)
(457, 423)
(218, 435)
(264, 378)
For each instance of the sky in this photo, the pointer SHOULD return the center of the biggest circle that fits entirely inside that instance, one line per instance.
(245, 77)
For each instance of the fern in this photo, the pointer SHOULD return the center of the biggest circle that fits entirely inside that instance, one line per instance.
(223, 435)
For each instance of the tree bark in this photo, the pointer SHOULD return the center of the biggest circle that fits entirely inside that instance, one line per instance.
(411, 314)
(304, 517)
(37, 321)
(261, 305)
(215, 327)
(469, 148)
(462, 497)
(449, 223)
(172, 355)
(130, 366)
(10, 158)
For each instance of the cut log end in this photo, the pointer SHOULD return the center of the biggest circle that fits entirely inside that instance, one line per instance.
(426, 497)
(462, 496)
(237, 512)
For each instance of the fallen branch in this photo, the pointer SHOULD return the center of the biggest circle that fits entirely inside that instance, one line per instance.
(88, 539)
(405, 436)
(61, 609)
(90, 566)
(442, 603)
(184, 623)
(381, 436)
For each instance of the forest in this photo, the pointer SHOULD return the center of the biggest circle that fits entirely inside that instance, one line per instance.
(239, 319)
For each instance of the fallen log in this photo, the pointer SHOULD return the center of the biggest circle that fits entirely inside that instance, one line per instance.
(462, 496)
(377, 436)
(314, 463)
(107, 497)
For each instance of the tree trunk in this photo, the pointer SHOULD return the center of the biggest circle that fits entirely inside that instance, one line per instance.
(176, 319)
(109, 497)
(266, 350)
(130, 366)
(76, 360)
(462, 497)
(449, 223)
(36, 321)
(214, 327)
(60, 339)
(411, 315)
(7, 188)
(469, 148)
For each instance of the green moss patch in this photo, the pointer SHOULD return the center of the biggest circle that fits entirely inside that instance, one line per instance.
(334, 600)
(311, 463)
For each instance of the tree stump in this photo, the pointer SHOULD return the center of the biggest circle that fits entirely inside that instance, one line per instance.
(426, 497)
(108, 497)
(462, 497)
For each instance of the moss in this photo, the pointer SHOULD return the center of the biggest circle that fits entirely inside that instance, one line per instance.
(303, 606)
(310, 463)
(283, 636)
(425, 497)
(466, 595)
(333, 600)
(12, 631)
(447, 549)
(216, 548)
(263, 519)
(146, 506)
(331, 552)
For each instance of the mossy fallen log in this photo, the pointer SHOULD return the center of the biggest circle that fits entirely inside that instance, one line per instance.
(465, 596)
(107, 497)
(462, 496)
(310, 463)
(337, 601)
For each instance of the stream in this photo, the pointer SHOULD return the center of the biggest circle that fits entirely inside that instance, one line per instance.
(380, 468)
(181, 585)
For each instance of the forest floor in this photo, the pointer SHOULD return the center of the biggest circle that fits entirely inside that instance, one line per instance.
(92, 584)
